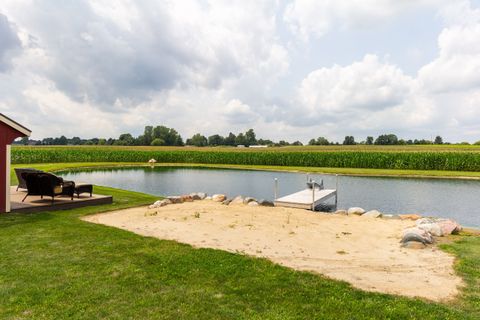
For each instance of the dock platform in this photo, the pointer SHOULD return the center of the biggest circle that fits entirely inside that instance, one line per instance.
(306, 199)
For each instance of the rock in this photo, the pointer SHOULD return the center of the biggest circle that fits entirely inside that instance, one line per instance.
(201, 195)
(253, 204)
(342, 212)
(391, 216)
(372, 214)
(159, 203)
(227, 202)
(175, 199)
(433, 228)
(167, 201)
(416, 234)
(248, 199)
(449, 226)
(410, 216)
(266, 203)
(186, 198)
(356, 210)
(237, 200)
(219, 197)
(195, 196)
(425, 221)
(208, 198)
(414, 245)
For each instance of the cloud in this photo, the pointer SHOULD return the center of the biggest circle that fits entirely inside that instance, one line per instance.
(9, 43)
(310, 18)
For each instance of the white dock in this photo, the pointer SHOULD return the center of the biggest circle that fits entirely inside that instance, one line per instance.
(306, 199)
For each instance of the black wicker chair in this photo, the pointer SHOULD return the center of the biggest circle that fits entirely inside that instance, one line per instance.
(47, 184)
(22, 184)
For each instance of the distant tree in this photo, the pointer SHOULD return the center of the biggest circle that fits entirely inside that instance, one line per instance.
(369, 140)
(477, 143)
(102, 142)
(215, 140)
(297, 143)
(197, 140)
(401, 142)
(283, 143)
(24, 141)
(250, 138)
(349, 140)
(126, 139)
(169, 135)
(264, 142)
(240, 139)
(321, 141)
(147, 136)
(438, 140)
(312, 142)
(409, 141)
(230, 139)
(157, 142)
(387, 139)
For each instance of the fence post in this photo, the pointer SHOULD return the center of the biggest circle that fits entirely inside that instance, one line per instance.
(275, 189)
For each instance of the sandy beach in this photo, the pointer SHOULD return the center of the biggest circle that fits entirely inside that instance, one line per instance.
(364, 252)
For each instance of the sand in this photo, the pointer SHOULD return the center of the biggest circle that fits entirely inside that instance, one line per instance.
(364, 252)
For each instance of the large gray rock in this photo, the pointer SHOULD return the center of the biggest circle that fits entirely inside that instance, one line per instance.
(372, 214)
(433, 228)
(414, 245)
(356, 210)
(219, 197)
(248, 199)
(175, 199)
(265, 203)
(416, 234)
(201, 195)
(237, 200)
(342, 212)
(253, 204)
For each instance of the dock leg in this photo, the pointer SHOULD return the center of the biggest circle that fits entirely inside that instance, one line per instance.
(313, 195)
(336, 201)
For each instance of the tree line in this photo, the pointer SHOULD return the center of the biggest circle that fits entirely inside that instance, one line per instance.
(164, 136)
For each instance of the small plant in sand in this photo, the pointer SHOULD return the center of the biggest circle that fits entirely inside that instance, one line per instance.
(196, 215)
(342, 252)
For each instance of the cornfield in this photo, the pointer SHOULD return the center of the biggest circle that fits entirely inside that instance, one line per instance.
(423, 160)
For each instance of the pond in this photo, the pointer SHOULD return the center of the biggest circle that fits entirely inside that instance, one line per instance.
(451, 198)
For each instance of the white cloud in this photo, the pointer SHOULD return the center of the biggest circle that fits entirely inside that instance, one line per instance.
(308, 18)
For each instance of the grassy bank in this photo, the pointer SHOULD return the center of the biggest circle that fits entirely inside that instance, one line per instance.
(466, 160)
(55, 266)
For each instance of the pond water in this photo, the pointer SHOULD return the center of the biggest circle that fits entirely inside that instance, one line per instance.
(456, 199)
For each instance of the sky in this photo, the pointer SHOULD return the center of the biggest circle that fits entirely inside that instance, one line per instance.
(292, 70)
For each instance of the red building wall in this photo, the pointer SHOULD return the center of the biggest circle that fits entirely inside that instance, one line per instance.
(7, 135)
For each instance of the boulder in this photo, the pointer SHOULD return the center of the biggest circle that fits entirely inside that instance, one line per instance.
(248, 199)
(253, 204)
(416, 234)
(425, 221)
(175, 199)
(167, 201)
(186, 198)
(414, 245)
(195, 196)
(219, 197)
(208, 198)
(356, 210)
(342, 212)
(391, 216)
(410, 216)
(433, 228)
(201, 195)
(372, 214)
(449, 226)
(237, 200)
(266, 203)
(226, 201)
(159, 203)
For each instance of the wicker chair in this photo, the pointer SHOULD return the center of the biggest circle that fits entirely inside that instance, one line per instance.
(22, 184)
(47, 184)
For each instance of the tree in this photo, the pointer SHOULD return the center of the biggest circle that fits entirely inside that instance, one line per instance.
(297, 143)
(157, 142)
(250, 138)
(321, 141)
(197, 140)
(369, 140)
(169, 135)
(126, 139)
(438, 140)
(349, 140)
(240, 139)
(230, 139)
(215, 140)
(312, 142)
(147, 135)
(386, 139)
(24, 141)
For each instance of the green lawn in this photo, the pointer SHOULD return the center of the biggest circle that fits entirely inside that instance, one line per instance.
(55, 266)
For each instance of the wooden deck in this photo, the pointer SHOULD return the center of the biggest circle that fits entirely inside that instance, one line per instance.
(35, 204)
(305, 199)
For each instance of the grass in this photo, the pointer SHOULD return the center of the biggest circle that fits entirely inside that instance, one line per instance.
(55, 266)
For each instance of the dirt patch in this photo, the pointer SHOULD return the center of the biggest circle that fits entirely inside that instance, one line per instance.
(362, 251)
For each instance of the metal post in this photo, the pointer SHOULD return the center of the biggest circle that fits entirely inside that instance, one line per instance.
(336, 193)
(313, 195)
(275, 189)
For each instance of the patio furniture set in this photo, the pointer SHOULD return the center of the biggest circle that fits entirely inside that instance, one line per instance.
(39, 183)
